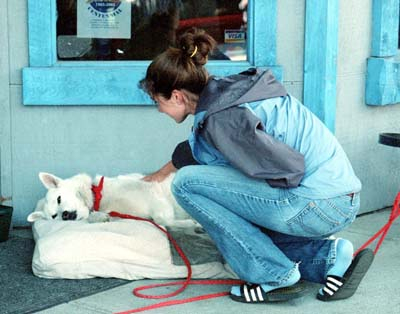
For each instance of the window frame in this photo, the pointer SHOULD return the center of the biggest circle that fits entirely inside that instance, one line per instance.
(383, 67)
(48, 81)
(320, 59)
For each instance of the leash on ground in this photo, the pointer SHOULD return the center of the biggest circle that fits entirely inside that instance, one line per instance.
(384, 230)
(183, 283)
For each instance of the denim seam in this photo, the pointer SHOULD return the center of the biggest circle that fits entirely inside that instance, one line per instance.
(339, 210)
(323, 216)
(249, 252)
(289, 274)
(331, 260)
(238, 193)
(318, 212)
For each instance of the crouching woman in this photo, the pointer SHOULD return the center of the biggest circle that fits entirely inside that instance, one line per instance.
(264, 176)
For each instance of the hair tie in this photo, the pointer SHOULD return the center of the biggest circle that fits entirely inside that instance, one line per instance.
(194, 52)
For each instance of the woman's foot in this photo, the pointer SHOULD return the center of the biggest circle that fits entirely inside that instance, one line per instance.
(343, 287)
(254, 293)
(344, 256)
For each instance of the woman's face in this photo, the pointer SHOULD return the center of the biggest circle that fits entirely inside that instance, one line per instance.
(176, 107)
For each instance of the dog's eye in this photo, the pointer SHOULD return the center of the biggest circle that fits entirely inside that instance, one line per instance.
(59, 200)
(54, 216)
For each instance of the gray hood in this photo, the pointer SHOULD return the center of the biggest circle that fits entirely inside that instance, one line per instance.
(224, 92)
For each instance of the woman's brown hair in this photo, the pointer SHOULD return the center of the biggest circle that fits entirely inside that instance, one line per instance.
(181, 67)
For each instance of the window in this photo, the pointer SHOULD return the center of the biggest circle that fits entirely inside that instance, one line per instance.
(142, 29)
(73, 71)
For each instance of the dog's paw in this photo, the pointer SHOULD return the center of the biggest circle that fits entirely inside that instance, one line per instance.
(95, 217)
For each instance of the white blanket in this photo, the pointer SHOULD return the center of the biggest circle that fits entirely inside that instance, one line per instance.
(125, 249)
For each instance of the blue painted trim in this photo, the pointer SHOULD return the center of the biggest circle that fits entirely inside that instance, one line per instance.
(265, 35)
(320, 57)
(101, 86)
(383, 79)
(48, 81)
(383, 83)
(385, 27)
(40, 23)
(250, 30)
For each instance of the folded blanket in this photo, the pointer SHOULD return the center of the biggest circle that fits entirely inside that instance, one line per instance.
(125, 249)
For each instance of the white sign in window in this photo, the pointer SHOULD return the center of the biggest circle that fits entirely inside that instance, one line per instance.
(103, 19)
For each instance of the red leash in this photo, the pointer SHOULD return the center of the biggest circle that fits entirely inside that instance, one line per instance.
(184, 283)
(384, 230)
(97, 199)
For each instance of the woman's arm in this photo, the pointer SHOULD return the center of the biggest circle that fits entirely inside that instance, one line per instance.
(181, 157)
(240, 136)
(161, 174)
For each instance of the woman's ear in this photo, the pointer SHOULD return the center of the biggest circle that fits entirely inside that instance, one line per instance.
(178, 96)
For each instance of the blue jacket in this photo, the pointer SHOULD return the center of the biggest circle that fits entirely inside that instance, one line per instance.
(248, 121)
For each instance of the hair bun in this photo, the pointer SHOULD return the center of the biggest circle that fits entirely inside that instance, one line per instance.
(196, 44)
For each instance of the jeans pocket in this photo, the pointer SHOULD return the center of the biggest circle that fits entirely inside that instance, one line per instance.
(313, 221)
(346, 205)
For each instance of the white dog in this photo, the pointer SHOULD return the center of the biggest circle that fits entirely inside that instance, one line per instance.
(72, 199)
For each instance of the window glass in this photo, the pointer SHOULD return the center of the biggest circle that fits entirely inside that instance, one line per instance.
(141, 29)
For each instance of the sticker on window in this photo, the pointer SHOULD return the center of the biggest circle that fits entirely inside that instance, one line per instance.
(235, 36)
(104, 19)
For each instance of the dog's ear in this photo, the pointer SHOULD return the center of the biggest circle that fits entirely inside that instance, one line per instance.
(35, 216)
(49, 180)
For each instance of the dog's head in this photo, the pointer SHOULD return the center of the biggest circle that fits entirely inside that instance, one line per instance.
(69, 199)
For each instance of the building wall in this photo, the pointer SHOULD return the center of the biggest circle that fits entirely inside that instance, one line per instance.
(358, 125)
(113, 140)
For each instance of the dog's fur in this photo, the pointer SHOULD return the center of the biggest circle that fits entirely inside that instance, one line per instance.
(126, 194)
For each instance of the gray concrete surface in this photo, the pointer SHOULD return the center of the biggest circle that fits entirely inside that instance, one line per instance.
(379, 292)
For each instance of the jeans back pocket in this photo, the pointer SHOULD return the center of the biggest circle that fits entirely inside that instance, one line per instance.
(314, 221)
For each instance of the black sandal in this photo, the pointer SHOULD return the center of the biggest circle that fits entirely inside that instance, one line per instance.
(252, 293)
(338, 288)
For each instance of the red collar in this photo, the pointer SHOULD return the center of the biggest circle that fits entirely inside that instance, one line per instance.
(97, 194)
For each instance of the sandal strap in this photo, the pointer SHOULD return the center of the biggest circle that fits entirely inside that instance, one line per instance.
(332, 284)
(252, 292)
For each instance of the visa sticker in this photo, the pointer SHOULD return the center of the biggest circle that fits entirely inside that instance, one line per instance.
(235, 36)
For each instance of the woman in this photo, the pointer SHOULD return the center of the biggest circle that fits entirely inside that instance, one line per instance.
(271, 182)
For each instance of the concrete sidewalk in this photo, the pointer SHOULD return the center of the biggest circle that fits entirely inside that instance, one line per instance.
(379, 292)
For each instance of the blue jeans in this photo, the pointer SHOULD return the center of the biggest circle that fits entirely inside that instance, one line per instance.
(263, 232)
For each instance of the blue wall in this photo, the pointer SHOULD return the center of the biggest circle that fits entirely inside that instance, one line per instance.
(96, 140)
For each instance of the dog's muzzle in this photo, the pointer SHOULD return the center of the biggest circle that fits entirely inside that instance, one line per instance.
(66, 215)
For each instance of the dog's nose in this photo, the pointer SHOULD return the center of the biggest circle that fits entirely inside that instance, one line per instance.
(66, 215)
(72, 215)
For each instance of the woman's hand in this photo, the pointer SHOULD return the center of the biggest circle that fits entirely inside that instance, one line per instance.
(161, 174)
